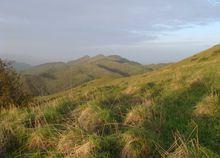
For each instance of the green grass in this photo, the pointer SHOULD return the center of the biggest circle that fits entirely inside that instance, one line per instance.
(170, 111)
(55, 77)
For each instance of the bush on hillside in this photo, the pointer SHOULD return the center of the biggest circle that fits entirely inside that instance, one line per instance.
(11, 89)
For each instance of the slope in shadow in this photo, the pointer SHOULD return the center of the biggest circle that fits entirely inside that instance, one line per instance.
(124, 74)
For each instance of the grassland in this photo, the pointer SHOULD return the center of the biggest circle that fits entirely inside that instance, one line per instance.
(55, 77)
(172, 112)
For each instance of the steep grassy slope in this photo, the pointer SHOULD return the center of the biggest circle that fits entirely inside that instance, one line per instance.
(55, 77)
(173, 112)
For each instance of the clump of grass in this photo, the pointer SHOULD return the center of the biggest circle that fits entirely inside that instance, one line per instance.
(53, 113)
(98, 93)
(92, 118)
(34, 118)
(135, 144)
(53, 154)
(151, 90)
(41, 138)
(118, 104)
(69, 140)
(203, 59)
(194, 58)
(186, 147)
(76, 144)
(85, 150)
(58, 112)
(7, 140)
(216, 52)
(138, 115)
(12, 131)
(208, 106)
(131, 90)
(106, 146)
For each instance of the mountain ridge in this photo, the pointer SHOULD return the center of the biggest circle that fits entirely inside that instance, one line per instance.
(58, 76)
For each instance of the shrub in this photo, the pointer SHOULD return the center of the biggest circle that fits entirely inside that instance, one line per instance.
(11, 89)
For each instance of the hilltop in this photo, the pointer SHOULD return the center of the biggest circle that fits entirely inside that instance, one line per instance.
(171, 112)
(58, 76)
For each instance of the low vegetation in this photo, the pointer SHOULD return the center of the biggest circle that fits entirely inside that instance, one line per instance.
(172, 112)
(11, 89)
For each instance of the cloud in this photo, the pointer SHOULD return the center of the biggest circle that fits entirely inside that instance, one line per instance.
(214, 2)
(75, 24)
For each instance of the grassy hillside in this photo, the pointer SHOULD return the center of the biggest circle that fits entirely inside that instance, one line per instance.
(55, 77)
(156, 66)
(172, 112)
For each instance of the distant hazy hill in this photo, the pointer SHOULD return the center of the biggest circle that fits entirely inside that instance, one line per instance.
(19, 66)
(58, 76)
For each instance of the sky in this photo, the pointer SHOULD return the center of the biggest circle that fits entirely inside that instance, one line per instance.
(147, 31)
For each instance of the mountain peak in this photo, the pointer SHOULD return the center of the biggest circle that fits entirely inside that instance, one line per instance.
(99, 56)
(85, 56)
(116, 56)
(82, 59)
(81, 71)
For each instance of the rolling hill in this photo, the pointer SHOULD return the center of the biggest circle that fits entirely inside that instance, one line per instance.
(172, 112)
(19, 66)
(55, 77)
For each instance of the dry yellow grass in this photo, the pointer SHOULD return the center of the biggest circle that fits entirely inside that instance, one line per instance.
(138, 115)
(134, 146)
(84, 151)
(89, 119)
(10, 126)
(186, 147)
(41, 138)
(207, 107)
(92, 117)
(68, 141)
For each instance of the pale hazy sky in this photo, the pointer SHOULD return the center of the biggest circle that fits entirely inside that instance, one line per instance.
(147, 31)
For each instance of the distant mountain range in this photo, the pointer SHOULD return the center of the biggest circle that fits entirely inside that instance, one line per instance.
(19, 66)
(58, 76)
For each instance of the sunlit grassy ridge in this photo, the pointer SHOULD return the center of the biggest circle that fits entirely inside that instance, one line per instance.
(55, 77)
(172, 112)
